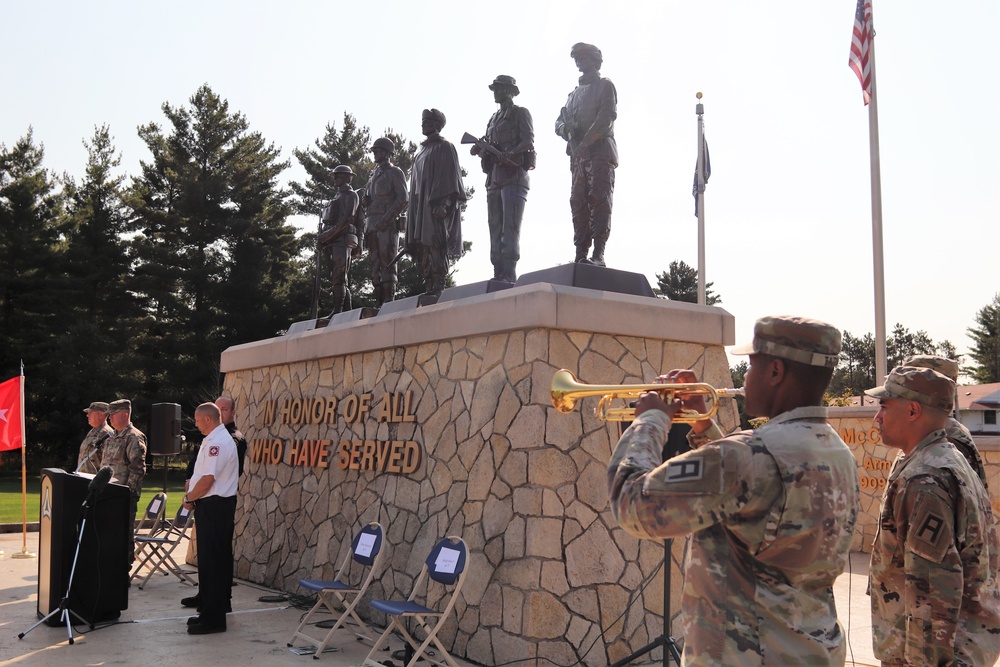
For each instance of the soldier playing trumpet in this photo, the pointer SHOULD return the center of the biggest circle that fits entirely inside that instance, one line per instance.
(771, 512)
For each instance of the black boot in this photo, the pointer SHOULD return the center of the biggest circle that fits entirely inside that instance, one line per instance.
(597, 259)
(581, 253)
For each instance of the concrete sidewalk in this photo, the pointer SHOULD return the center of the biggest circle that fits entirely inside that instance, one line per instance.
(153, 629)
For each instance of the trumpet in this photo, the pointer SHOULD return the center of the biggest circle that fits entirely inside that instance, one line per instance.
(566, 390)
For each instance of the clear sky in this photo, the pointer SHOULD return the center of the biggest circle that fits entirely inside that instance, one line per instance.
(788, 206)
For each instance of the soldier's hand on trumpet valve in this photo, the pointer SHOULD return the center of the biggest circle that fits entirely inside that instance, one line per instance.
(651, 400)
(693, 402)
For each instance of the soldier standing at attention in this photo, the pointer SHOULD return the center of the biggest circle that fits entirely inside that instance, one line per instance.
(771, 512)
(510, 131)
(587, 124)
(89, 459)
(125, 453)
(934, 586)
(339, 235)
(384, 200)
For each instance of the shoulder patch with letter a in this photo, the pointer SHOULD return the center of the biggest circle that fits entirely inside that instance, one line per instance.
(931, 532)
(685, 470)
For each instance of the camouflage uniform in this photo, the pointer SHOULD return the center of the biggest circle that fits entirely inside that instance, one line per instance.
(771, 514)
(125, 452)
(93, 464)
(934, 569)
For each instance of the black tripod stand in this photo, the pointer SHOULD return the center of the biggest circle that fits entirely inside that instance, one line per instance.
(63, 609)
(676, 444)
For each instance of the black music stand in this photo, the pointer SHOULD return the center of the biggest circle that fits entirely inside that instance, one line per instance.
(676, 444)
(63, 609)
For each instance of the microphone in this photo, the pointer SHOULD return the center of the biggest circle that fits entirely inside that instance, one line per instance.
(101, 440)
(100, 481)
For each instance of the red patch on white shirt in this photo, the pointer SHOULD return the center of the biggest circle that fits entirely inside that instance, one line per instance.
(213, 450)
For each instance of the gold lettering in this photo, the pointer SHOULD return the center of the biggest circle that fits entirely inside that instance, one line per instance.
(368, 455)
(351, 409)
(408, 414)
(331, 411)
(364, 405)
(383, 454)
(277, 450)
(395, 456)
(286, 409)
(356, 446)
(268, 413)
(412, 459)
(322, 454)
(345, 454)
(385, 411)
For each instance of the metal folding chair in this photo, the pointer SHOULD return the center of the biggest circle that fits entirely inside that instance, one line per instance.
(158, 549)
(444, 565)
(366, 551)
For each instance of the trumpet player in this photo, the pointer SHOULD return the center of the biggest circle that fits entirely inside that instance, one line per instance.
(771, 511)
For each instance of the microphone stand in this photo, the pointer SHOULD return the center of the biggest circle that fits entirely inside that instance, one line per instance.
(63, 609)
(676, 444)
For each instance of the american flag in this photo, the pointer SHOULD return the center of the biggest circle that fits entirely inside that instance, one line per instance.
(860, 40)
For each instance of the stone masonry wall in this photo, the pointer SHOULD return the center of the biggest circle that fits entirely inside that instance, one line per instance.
(550, 575)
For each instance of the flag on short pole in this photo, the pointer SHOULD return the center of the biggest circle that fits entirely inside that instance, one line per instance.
(860, 42)
(707, 171)
(10, 414)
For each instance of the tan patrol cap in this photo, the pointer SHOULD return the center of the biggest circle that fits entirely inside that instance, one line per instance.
(943, 365)
(923, 385)
(795, 338)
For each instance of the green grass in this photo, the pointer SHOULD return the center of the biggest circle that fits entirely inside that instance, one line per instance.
(10, 494)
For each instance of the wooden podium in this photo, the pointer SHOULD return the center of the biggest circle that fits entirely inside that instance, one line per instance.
(100, 583)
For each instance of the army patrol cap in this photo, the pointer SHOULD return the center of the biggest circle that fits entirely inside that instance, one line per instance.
(119, 405)
(795, 338)
(505, 81)
(923, 385)
(384, 144)
(434, 114)
(943, 365)
(96, 406)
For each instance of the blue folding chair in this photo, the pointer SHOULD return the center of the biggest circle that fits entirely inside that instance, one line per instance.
(366, 550)
(446, 566)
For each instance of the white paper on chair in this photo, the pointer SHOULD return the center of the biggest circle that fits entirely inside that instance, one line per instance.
(365, 545)
(154, 507)
(447, 560)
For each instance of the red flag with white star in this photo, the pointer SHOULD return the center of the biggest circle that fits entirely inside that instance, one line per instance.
(10, 414)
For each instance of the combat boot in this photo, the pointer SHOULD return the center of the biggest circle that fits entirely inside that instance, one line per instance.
(581, 254)
(597, 259)
(388, 292)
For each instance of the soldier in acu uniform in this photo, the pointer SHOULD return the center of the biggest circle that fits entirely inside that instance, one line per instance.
(771, 512)
(339, 235)
(384, 200)
(89, 459)
(510, 131)
(125, 453)
(934, 586)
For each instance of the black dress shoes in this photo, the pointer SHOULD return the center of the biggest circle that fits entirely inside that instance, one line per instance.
(206, 628)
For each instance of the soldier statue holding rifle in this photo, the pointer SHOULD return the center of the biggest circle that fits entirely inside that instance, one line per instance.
(507, 153)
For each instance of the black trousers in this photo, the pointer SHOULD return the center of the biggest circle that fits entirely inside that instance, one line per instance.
(214, 516)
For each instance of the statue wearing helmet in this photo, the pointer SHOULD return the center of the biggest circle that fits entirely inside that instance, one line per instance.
(338, 235)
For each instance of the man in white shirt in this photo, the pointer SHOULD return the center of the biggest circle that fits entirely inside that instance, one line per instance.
(212, 496)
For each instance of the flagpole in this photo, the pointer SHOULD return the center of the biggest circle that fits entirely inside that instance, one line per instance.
(699, 109)
(24, 553)
(876, 185)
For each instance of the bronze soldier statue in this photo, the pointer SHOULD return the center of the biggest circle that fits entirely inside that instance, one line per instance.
(338, 235)
(433, 214)
(587, 124)
(384, 201)
(512, 133)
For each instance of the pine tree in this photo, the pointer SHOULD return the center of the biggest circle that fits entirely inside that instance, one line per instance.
(216, 257)
(30, 281)
(985, 337)
(680, 283)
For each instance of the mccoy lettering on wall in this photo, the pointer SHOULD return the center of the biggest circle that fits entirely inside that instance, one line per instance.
(392, 456)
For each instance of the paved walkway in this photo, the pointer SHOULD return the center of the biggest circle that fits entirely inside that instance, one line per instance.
(152, 631)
